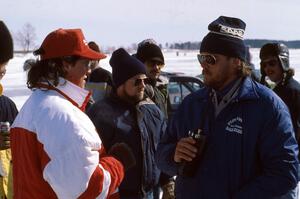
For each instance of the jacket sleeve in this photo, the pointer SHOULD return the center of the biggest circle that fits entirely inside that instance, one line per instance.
(76, 168)
(278, 152)
(166, 147)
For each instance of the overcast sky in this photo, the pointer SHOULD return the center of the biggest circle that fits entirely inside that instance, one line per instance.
(123, 22)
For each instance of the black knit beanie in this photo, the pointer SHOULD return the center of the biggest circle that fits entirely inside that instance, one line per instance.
(6, 44)
(225, 38)
(124, 67)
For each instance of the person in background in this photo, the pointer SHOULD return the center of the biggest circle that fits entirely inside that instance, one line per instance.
(276, 66)
(99, 82)
(56, 150)
(127, 116)
(28, 64)
(246, 146)
(150, 54)
(8, 112)
(250, 64)
(156, 89)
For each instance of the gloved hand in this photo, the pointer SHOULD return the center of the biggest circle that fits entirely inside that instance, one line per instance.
(168, 190)
(123, 153)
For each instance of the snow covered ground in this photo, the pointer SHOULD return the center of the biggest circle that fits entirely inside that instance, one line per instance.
(14, 82)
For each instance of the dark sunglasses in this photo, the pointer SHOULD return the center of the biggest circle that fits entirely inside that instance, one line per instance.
(138, 82)
(154, 63)
(271, 63)
(208, 59)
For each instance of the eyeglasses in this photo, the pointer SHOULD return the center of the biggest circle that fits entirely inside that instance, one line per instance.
(153, 63)
(140, 81)
(272, 63)
(208, 59)
(88, 63)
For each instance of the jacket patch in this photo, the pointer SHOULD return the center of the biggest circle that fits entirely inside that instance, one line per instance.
(235, 125)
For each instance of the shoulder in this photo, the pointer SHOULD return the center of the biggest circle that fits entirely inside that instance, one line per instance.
(6, 101)
(267, 101)
(293, 84)
(103, 108)
(198, 96)
(148, 104)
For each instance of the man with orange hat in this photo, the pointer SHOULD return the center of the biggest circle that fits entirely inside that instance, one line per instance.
(56, 150)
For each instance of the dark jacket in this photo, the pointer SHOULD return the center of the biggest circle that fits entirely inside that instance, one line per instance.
(289, 92)
(158, 93)
(251, 151)
(8, 109)
(139, 126)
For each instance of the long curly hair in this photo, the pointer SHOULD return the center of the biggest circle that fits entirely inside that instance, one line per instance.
(48, 70)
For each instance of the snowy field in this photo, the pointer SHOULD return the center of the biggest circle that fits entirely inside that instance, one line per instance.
(14, 82)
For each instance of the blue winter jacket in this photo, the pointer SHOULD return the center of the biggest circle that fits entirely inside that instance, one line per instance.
(141, 127)
(251, 151)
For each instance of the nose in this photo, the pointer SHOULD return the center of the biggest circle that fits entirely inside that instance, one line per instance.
(143, 84)
(89, 71)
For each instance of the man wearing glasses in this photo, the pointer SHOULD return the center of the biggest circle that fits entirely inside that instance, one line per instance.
(156, 89)
(151, 55)
(126, 116)
(245, 131)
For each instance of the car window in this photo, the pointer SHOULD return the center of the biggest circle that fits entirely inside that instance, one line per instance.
(177, 92)
(179, 87)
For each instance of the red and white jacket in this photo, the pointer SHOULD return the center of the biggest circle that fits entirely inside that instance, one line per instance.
(56, 150)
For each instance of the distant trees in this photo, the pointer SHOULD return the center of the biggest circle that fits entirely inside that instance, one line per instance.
(26, 37)
(253, 43)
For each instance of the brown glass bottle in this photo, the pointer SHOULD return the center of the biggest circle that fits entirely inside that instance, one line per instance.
(189, 168)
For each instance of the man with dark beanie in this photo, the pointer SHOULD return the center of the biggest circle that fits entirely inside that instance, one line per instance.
(8, 112)
(234, 137)
(275, 65)
(126, 116)
(156, 89)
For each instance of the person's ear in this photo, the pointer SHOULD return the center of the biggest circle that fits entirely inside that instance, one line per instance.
(66, 66)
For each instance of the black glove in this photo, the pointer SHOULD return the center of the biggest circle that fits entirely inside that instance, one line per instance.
(123, 153)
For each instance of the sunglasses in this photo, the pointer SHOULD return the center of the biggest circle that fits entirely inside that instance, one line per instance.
(153, 63)
(271, 63)
(139, 82)
(208, 59)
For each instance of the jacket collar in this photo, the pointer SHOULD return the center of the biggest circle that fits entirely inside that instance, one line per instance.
(73, 93)
(247, 91)
(79, 95)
